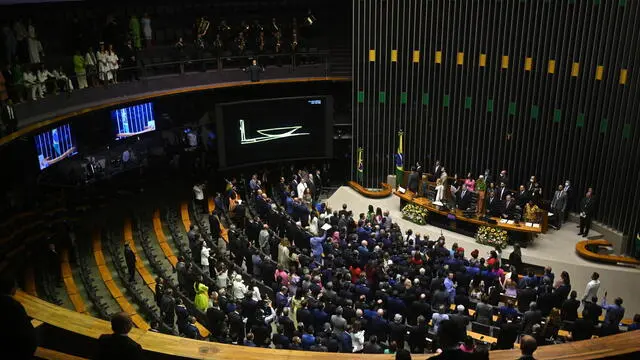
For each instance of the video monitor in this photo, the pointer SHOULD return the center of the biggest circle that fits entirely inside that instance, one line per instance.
(268, 130)
(134, 120)
(55, 145)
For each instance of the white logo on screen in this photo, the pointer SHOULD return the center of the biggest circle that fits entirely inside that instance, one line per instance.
(269, 134)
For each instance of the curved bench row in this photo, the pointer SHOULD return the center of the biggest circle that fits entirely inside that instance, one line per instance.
(385, 190)
(624, 343)
(582, 248)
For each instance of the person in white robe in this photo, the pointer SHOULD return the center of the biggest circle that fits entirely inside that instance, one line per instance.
(113, 63)
(146, 29)
(31, 83)
(34, 45)
(63, 80)
(103, 64)
(43, 75)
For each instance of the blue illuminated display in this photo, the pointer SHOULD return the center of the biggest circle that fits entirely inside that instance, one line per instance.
(134, 120)
(54, 145)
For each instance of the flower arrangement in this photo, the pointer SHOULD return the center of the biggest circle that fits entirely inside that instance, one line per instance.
(489, 235)
(416, 214)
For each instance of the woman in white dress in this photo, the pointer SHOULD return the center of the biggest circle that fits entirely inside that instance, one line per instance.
(33, 45)
(103, 64)
(146, 29)
(114, 65)
(439, 190)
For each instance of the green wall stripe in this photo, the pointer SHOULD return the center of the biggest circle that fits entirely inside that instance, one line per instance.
(425, 99)
(626, 131)
(382, 97)
(580, 121)
(535, 112)
(557, 115)
(403, 98)
(446, 100)
(467, 102)
(490, 105)
(604, 125)
(512, 108)
(360, 96)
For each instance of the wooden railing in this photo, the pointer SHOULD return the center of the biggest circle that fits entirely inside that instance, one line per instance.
(385, 191)
(582, 248)
(90, 327)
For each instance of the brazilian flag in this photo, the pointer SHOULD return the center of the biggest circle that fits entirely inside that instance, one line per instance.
(399, 160)
(360, 165)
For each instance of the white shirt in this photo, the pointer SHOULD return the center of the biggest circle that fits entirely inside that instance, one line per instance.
(357, 340)
(591, 290)
(198, 192)
(239, 289)
(301, 188)
(256, 294)
(204, 256)
(439, 192)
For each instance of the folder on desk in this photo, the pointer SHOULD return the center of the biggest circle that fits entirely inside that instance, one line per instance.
(536, 225)
(528, 224)
(510, 222)
(503, 221)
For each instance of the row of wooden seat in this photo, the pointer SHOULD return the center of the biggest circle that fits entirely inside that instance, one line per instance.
(105, 273)
(625, 343)
(49, 354)
(70, 284)
(140, 267)
(168, 253)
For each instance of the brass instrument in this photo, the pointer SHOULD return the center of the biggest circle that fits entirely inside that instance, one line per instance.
(203, 26)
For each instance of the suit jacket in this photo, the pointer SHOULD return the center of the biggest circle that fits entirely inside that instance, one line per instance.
(112, 346)
(412, 181)
(587, 205)
(464, 202)
(437, 171)
(494, 206)
(559, 200)
(501, 193)
(522, 198)
(509, 208)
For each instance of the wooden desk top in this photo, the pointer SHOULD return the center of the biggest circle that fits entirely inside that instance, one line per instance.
(57, 316)
(583, 251)
(385, 190)
(426, 203)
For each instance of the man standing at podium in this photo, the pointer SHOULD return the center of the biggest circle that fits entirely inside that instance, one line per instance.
(412, 180)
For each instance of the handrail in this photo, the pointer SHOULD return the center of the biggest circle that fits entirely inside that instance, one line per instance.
(582, 248)
(385, 192)
(621, 344)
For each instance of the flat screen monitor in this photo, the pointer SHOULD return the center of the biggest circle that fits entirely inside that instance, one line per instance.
(55, 145)
(269, 130)
(134, 120)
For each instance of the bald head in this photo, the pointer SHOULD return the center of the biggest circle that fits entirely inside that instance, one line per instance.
(528, 345)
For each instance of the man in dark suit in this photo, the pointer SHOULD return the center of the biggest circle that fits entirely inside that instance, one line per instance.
(412, 181)
(509, 207)
(503, 178)
(522, 197)
(494, 205)
(130, 259)
(463, 198)
(592, 310)
(559, 205)
(437, 170)
(587, 208)
(448, 338)
(118, 345)
(16, 330)
(502, 191)
(236, 326)
(531, 317)
(215, 319)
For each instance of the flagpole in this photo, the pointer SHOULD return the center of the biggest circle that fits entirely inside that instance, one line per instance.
(399, 160)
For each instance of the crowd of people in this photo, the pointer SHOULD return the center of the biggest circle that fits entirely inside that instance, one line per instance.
(495, 196)
(357, 283)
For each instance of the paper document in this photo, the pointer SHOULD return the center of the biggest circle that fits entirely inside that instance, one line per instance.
(536, 225)
(528, 224)
(510, 222)
(326, 227)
